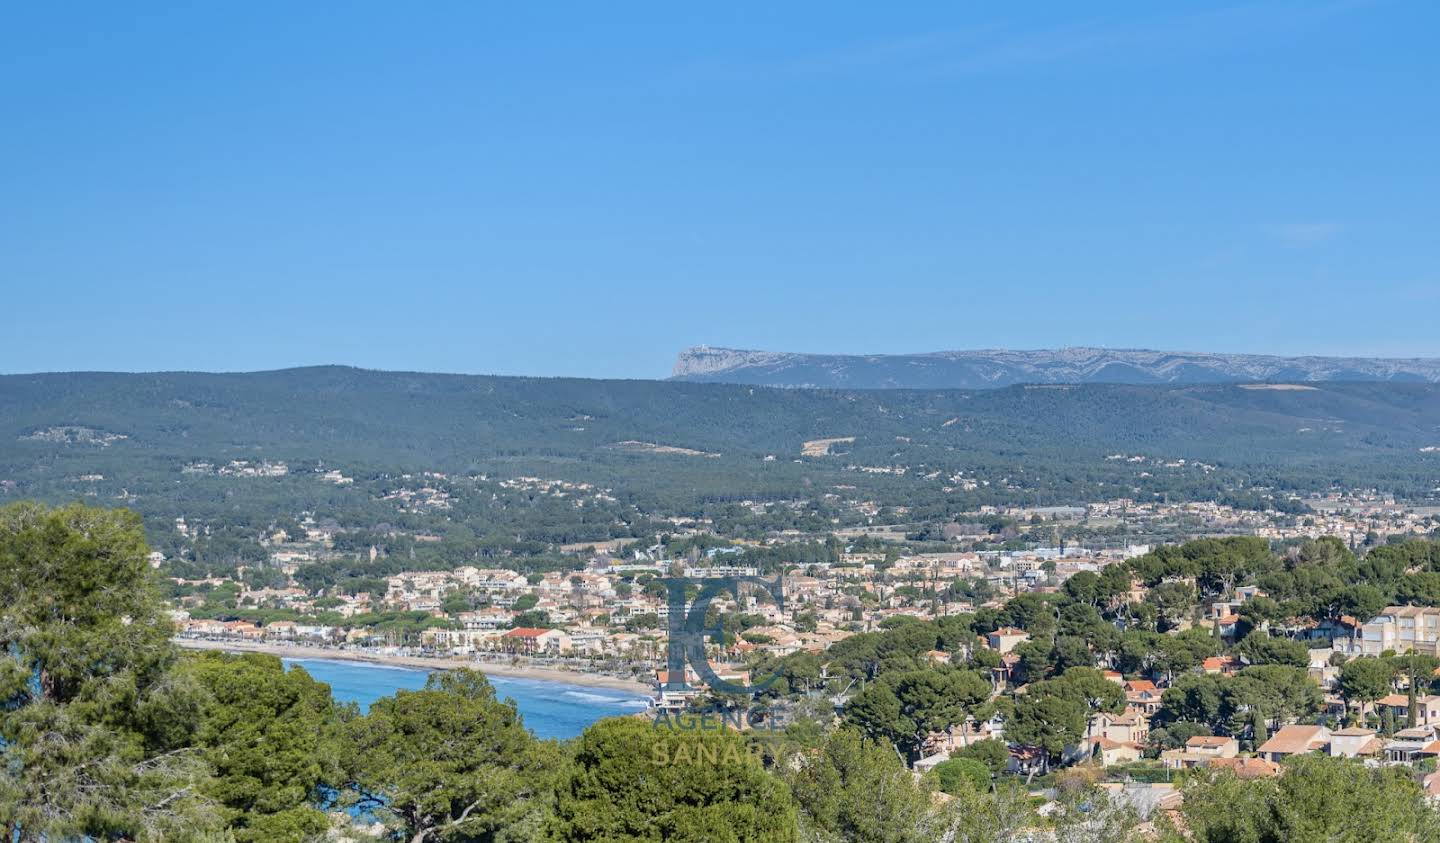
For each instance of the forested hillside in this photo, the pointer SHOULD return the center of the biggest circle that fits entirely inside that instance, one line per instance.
(1045, 443)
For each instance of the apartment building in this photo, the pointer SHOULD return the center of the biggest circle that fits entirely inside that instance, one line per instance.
(1397, 628)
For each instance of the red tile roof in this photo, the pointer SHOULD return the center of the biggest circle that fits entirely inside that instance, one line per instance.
(1247, 768)
(1294, 740)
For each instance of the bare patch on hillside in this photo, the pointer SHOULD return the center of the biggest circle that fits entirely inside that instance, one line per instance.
(656, 448)
(821, 447)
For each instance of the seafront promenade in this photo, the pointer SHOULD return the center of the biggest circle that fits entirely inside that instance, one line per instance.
(496, 668)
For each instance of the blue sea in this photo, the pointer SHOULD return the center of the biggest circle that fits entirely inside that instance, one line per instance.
(549, 709)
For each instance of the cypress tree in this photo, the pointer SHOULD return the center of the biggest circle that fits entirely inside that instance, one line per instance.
(1258, 727)
(1413, 716)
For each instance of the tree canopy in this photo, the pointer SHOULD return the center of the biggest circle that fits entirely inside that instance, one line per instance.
(632, 780)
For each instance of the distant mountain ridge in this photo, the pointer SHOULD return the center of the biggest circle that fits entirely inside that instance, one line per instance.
(136, 437)
(991, 368)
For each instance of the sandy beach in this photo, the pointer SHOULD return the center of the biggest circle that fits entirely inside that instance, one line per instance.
(295, 651)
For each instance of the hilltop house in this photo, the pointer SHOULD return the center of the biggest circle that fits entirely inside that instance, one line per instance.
(1200, 750)
(1142, 694)
(1109, 752)
(1355, 741)
(1130, 726)
(1427, 708)
(1295, 740)
(1007, 638)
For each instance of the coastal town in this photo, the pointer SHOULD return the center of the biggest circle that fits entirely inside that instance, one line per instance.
(731, 423)
(610, 602)
(606, 616)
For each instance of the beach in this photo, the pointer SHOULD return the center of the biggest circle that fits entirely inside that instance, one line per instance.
(296, 651)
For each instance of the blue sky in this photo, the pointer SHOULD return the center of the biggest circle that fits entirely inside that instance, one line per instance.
(536, 189)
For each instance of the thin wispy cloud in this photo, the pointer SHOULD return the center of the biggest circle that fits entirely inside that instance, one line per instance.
(996, 47)
(900, 53)
(1306, 233)
(1164, 36)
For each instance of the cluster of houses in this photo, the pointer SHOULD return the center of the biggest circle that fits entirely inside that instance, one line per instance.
(610, 608)
(1350, 516)
(1113, 739)
(1122, 738)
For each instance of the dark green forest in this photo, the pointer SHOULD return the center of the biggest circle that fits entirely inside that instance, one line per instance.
(1037, 444)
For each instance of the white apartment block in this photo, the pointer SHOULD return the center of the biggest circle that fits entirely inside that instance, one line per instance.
(1397, 628)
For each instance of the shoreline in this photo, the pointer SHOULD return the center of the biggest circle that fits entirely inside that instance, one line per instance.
(545, 674)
